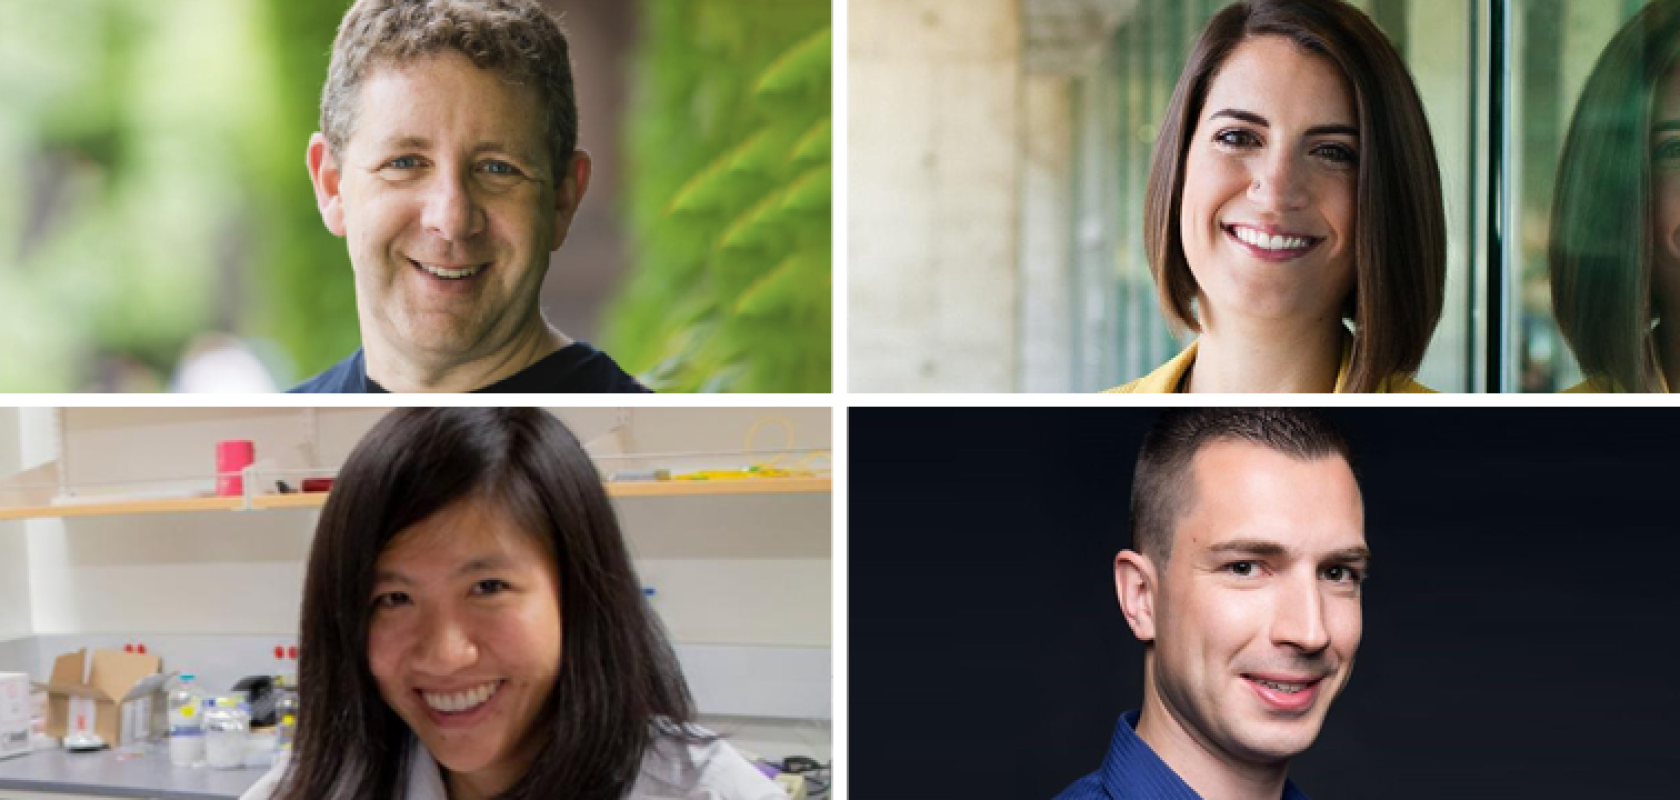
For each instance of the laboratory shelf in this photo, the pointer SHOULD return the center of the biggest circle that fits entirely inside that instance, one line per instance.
(625, 489)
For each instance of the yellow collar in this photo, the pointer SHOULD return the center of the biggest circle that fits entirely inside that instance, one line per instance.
(1167, 377)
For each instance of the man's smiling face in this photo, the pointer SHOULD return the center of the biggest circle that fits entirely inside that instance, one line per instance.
(1258, 614)
(447, 195)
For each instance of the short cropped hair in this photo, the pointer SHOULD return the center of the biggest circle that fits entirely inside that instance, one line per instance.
(1400, 245)
(518, 39)
(619, 684)
(1163, 488)
(1601, 246)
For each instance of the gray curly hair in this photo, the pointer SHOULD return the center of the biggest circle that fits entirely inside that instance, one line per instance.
(517, 38)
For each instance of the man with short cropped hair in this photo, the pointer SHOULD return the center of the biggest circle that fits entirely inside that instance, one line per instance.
(448, 160)
(1243, 583)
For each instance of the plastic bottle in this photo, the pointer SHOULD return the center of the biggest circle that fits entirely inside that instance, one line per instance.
(286, 709)
(186, 723)
(227, 727)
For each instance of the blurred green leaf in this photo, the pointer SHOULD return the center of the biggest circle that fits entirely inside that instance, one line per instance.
(815, 145)
(806, 66)
(730, 199)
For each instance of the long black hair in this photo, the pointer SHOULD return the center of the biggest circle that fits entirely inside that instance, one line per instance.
(618, 685)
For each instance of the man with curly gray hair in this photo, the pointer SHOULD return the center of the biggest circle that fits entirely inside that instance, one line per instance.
(447, 159)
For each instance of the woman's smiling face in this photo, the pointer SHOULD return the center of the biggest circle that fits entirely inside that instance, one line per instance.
(1268, 210)
(464, 640)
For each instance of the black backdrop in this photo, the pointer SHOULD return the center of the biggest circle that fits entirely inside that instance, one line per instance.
(1518, 619)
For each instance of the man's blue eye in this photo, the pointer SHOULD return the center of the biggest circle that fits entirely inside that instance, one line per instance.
(500, 168)
(405, 162)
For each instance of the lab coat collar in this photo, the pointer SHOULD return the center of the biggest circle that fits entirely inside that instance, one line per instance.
(425, 779)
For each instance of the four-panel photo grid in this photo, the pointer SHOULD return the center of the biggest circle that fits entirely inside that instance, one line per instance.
(724, 399)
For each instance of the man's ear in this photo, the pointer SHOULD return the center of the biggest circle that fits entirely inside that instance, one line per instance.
(569, 194)
(1135, 582)
(325, 174)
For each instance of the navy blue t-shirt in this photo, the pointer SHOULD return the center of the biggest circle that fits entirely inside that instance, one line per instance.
(575, 368)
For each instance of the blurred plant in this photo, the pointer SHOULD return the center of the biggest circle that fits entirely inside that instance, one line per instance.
(729, 198)
(151, 188)
(310, 303)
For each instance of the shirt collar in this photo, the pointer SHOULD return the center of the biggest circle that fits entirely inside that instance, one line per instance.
(1166, 379)
(425, 778)
(1132, 770)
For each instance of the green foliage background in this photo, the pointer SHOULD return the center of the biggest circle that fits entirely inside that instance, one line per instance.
(730, 207)
(152, 188)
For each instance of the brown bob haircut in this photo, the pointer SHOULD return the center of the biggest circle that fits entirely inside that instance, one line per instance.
(1400, 246)
(619, 685)
(1162, 486)
(1602, 244)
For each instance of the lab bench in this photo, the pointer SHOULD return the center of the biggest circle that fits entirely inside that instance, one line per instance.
(62, 775)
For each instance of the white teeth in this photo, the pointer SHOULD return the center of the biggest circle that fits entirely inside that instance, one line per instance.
(462, 701)
(1286, 688)
(1265, 242)
(451, 274)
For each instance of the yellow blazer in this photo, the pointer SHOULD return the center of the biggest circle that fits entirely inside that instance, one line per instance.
(1165, 378)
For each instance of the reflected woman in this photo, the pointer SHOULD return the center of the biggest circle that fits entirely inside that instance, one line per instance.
(1293, 215)
(1615, 246)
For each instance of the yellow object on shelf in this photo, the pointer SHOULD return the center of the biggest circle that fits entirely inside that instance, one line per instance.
(754, 472)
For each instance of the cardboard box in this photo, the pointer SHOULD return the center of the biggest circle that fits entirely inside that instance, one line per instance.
(114, 696)
(14, 714)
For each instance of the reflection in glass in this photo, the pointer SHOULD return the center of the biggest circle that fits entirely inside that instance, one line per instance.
(1614, 252)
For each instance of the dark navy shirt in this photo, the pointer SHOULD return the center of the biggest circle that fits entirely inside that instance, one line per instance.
(1132, 771)
(575, 368)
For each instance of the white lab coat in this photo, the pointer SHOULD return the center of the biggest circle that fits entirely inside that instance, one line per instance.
(671, 770)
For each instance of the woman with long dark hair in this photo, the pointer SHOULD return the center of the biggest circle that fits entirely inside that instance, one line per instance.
(473, 628)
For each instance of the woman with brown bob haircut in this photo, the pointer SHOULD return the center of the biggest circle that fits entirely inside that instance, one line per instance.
(1615, 241)
(1294, 185)
(473, 628)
